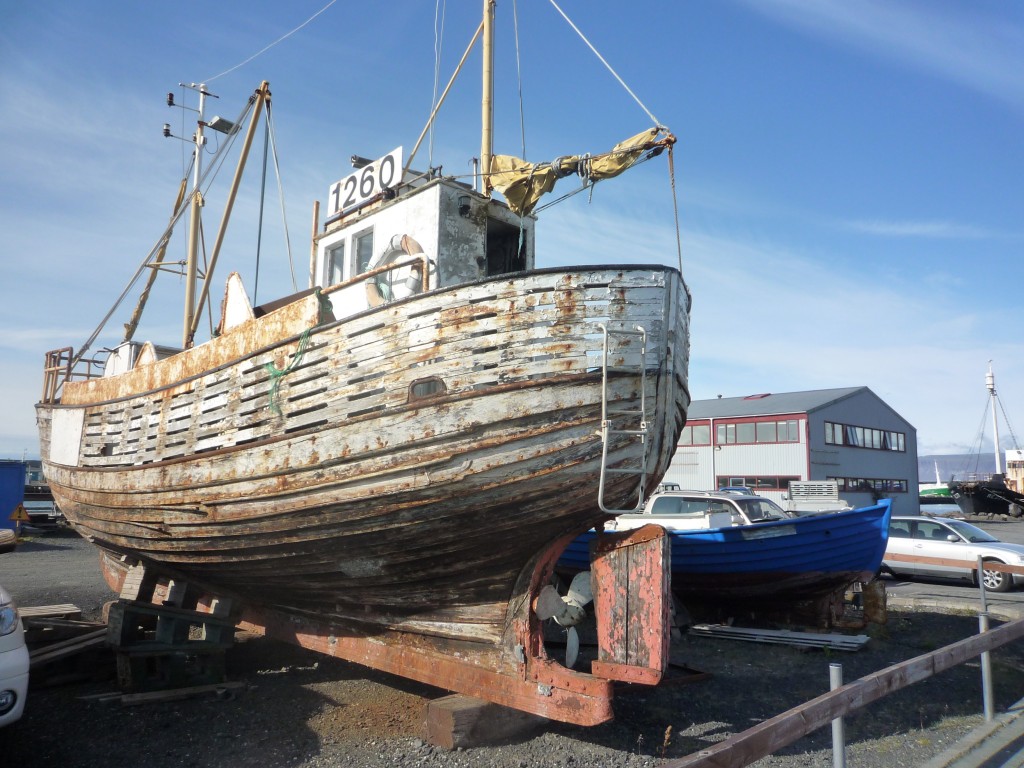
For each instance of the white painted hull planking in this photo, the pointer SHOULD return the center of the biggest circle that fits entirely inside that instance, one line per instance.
(342, 498)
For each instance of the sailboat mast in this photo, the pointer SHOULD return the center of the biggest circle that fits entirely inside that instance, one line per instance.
(487, 100)
(990, 382)
(191, 267)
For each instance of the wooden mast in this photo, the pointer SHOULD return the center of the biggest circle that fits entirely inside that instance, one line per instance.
(262, 97)
(191, 268)
(487, 101)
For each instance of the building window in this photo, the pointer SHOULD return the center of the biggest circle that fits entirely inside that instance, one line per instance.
(756, 483)
(696, 434)
(869, 485)
(864, 437)
(762, 431)
(793, 427)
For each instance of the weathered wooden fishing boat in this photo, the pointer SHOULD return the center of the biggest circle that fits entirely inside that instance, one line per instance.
(386, 466)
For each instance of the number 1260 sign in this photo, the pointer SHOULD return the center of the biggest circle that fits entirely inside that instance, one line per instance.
(367, 182)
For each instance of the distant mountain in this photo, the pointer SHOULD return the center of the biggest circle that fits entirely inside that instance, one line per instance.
(954, 465)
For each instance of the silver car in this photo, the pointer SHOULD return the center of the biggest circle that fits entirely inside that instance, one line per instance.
(13, 661)
(958, 543)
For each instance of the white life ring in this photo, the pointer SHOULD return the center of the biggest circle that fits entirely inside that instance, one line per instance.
(399, 283)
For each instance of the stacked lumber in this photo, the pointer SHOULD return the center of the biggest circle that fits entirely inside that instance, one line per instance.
(832, 641)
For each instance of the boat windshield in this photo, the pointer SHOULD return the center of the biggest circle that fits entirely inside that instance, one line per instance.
(972, 533)
(759, 510)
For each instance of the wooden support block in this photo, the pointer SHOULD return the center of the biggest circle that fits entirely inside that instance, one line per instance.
(132, 588)
(462, 721)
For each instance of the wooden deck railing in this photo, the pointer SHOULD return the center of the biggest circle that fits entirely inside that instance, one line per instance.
(58, 369)
(782, 730)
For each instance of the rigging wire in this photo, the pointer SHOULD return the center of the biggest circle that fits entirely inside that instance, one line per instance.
(439, 14)
(207, 179)
(280, 195)
(675, 207)
(1009, 426)
(263, 197)
(976, 445)
(589, 185)
(606, 64)
(267, 48)
(519, 77)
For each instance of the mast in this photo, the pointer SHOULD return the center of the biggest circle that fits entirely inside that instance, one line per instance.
(191, 267)
(990, 382)
(487, 100)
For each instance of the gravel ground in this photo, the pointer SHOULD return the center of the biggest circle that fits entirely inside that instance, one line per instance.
(308, 711)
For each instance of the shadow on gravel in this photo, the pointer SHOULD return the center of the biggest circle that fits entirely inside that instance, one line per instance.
(303, 709)
(294, 704)
(753, 682)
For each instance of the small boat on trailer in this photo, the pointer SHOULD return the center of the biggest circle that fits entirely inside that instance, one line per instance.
(767, 566)
(386, 466)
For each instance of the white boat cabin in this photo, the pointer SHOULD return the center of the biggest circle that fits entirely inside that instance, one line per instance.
(377, 235)
(382, 242)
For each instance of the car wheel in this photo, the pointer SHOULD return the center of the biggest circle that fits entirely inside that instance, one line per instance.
(997, 581)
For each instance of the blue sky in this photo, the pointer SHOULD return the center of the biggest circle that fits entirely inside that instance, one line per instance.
(850, 176)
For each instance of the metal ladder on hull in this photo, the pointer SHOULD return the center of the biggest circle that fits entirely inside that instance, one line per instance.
(637, 429)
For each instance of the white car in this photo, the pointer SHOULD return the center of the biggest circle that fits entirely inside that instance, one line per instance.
(955, 542)
(13, 661)
(692, 510)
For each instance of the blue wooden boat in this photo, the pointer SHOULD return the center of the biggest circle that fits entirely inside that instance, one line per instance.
(791, 560)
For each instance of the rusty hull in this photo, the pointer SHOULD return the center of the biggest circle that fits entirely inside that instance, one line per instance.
(391, 475)
(631, 577)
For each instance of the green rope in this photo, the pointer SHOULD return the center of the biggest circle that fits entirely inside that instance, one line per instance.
(325, 312)
(277, 374)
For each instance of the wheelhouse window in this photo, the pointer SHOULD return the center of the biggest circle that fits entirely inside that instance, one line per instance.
(335, 264)
(363, 247)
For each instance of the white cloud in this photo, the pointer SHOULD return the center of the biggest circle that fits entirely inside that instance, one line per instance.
(924, 229)
(767, 318)
(959, 43)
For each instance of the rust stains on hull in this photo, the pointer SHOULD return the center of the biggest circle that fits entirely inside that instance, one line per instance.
(405, 471)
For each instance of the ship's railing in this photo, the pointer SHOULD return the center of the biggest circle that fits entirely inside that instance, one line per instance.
(60, 367)
(412, 261)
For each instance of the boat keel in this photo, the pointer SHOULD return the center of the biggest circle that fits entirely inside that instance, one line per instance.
(630, 579)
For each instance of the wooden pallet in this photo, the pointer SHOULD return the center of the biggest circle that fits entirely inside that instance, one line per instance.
(54, 652)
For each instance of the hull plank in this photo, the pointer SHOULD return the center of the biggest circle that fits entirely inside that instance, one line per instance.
(400, 481)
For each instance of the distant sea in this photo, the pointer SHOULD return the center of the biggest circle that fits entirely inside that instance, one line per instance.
(954, 464)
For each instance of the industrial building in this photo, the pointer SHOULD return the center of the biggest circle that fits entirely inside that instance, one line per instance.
(765, 441)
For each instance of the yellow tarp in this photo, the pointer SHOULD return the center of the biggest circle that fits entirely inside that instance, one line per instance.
(522, 183)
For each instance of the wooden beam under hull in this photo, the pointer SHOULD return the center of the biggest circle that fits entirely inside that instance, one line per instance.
(514, 672)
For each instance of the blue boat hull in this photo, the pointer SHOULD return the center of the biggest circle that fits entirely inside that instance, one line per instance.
(788, 560)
